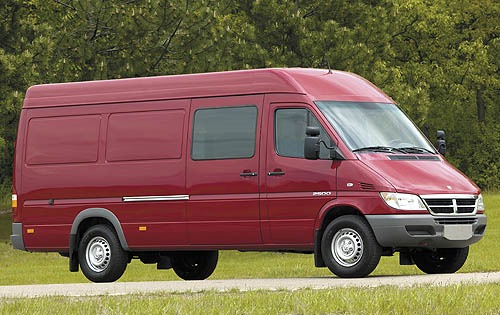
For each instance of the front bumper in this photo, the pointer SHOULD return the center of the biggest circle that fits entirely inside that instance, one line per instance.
(17, 236)
(426, 230)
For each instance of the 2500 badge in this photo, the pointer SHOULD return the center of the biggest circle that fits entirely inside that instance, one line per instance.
(322, 193)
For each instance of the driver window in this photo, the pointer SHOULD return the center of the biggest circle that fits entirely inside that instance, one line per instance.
(290, 131)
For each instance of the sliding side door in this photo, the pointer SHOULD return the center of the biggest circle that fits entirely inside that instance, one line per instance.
(222, 171)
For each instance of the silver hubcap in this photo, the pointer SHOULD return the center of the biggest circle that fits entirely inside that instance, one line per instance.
(98, 254)
(347, 247)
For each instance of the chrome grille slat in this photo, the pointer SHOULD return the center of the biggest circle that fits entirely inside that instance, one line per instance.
(451, 204)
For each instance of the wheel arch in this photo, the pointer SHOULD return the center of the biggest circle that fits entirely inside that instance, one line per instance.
(326, 216)
(86, 219)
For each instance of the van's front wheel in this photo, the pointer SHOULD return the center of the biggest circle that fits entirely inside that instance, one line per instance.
(349, 247)
(442, 260)
(101, 256)
(195, 265)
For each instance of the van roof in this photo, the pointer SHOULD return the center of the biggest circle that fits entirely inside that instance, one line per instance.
(319, 84)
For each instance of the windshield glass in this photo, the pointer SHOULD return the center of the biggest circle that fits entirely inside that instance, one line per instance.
(375, 127)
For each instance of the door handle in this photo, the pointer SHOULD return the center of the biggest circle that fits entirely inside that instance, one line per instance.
(248, 174)
(276, 173)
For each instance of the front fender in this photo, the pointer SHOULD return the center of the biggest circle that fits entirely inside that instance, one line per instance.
(359, 202)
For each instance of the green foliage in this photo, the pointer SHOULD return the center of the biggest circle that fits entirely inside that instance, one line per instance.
(12, 78)
(438, 59)
(5, 201)
(449, 53)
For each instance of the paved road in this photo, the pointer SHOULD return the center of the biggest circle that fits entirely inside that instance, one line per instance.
(122, 288)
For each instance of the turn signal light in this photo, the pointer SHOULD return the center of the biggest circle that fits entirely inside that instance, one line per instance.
(14, 201)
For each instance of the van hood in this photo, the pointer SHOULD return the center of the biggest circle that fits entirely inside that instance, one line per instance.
(419, 174)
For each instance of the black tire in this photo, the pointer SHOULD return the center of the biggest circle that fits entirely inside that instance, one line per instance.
(349, 247)
(100, 254)
(441, 260)
(195, 265)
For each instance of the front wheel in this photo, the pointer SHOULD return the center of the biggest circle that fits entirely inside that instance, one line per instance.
(195, 265)
(101, 256)
(349, 247)
(441, 260)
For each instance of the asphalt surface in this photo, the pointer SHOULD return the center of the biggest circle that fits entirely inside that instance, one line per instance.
(123, 288)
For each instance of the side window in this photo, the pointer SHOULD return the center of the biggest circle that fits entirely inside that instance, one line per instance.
(224, 133)
(62, 140)
(290, 131)
(148, 135)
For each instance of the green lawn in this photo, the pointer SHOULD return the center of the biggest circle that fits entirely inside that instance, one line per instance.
(460, 299)
(17, 267)
(5, 225)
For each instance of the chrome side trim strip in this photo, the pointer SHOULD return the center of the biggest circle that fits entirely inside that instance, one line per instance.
(155, 198)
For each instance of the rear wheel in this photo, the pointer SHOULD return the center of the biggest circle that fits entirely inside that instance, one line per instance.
(442, 260)
(195, 265)
(349, 247)
(101, 256)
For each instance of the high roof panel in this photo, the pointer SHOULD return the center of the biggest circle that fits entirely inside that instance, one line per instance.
(325, 85)
(318, 83)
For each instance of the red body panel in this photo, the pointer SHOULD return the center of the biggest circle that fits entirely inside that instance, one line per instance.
(290, 206)
(106, 134)
(427, 177)
(224, 206)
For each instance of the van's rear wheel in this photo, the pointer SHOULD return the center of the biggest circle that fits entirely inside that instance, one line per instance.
(442, 260)
(195, 265)
(349, 247)
(101, 256)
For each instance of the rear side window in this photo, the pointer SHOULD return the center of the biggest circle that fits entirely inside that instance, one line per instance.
(151, 135)
(224, 133)
(61, 140)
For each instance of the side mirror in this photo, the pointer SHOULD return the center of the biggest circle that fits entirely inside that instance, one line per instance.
(311, 143)
(441, 142)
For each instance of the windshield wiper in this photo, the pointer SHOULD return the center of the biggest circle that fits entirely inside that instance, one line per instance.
(379, 149)
(415, 150)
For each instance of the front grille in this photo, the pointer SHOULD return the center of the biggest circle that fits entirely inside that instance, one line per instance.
(451, 204)
(466, 205)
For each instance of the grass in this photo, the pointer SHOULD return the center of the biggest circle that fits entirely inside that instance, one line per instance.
(459, 299)
(5, 225)
(17, 267)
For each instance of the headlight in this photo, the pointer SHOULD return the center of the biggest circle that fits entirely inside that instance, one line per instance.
(480, 203)
(403, 201)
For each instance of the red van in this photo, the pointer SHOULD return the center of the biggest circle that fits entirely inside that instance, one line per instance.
(171, 169)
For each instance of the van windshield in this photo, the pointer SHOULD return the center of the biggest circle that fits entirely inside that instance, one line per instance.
(377, 127)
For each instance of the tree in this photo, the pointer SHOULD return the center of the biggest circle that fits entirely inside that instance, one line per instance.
(449, 52)
(23, 53)
(104, 39)
(439, 60)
